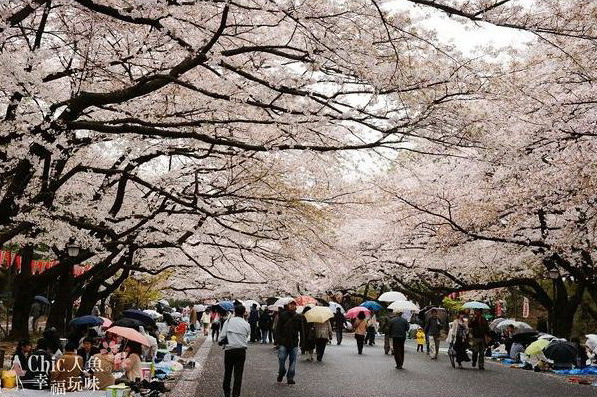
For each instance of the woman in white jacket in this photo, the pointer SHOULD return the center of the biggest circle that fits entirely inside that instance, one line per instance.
(458, 337)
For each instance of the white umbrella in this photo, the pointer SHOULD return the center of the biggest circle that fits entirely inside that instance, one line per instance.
(391, 296)
(334, 305)
(164, 302)
(283, 301)
(152, 313)
(199, 308)
(176, 314)
(592, 342)
(249, 303)
(400, 306)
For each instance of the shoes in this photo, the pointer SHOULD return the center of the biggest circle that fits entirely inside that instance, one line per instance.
(291, 382)
(434, 357)
(398, 367)
(279, 379)
(474, 364)
(482, 368)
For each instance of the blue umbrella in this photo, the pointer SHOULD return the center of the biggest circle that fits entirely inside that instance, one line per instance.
(371, 305)
(91, 321)
(226, 305)
(475, 305)
(140, 315)
(41, 299)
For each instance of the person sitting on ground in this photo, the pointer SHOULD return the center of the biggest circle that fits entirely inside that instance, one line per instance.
(20, 360)
(132, 363)
(39, 366)
(581, 356)
(87, 350)
(68, 369)
(101, 366)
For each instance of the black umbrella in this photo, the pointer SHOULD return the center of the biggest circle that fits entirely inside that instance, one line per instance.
(128, 323)
(41, 299)
(145, 318)
(442, 314)
(561, 352)
(526, 337)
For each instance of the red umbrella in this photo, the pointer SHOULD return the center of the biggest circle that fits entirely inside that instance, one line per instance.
(129, 334)
(304, 300)
(353, 313)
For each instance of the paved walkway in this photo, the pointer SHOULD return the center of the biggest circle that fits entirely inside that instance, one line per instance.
(343, 373)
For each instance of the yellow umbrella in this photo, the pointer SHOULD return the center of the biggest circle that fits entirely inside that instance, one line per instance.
(319, 314)
(536, 347)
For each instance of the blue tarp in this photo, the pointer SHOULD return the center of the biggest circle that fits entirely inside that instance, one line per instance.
(583, 371)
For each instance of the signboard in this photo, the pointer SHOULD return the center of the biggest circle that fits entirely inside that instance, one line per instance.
(525, 307)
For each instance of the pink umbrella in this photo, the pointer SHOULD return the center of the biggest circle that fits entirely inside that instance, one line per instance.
(353, 313)
(107, 322)
(130, 334)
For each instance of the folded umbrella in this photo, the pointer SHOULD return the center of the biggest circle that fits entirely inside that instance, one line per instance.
(371, 305)
(318, 314)
(353, 313)
(561, 352)
(475, 305)
(391, 296)
(86, 321)
(130, 334)
(401, 306)
(304, 300)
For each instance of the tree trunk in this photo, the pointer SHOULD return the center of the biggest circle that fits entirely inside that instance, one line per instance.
(88, 299)
(22, 293)
(61, 309)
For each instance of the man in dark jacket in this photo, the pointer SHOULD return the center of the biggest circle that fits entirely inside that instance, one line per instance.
(433, 327)
(479, 329)
(288, 329)
(339, 321)
(253, 320)
(397, 329)
(265, 325)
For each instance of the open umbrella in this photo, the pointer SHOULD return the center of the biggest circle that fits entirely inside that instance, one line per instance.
(129, 334)
(522, 327)
(199, 308)
(163, 302)
(318, 314)
(41, 299)
(107, 322)
(561, 352)
(226, 306)
(401, 306)
(536, 347)
(334, 305)
(371, 305)
(475, 305)
(391, 296)
(493, 325)
(304, 300)
(591, 342)
(152, 313)
(175, 314)
(442, 314)
(525, 337)
(281, 302)
(353, 313)
(502, 325)
(127, 323)
(86, 321)
(140, 315)
(249, 303)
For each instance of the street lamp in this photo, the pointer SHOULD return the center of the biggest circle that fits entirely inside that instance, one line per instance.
(553, 274)
(73, 250)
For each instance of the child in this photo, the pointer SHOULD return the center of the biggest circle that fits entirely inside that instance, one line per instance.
(420, 339)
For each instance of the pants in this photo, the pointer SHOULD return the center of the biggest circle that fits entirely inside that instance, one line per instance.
(234, 361)
(370, 336)
(179, 349)
(264, 335)
(420, 347)
(205, 329)
(386, 343)
(398, 345)
(192, 327)
(338, 335)
(253, 332)
(478, 348)
(320, 344)
(360, 341)
(215, 333)
(436, 344)
(290, 353)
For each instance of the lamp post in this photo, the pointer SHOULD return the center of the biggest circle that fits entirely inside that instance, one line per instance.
(72, 249)
(553, 274)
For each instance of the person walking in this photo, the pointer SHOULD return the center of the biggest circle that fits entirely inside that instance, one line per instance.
(288, 331)
(360, 329)
(323, 334)
(479, 330)
(433, 327)
(265, 326)
(233, 337)
(253, 320)
(308, 342)
(384, 323)
(339, 322)
(371, 330)
(458, 338)
(398, 329)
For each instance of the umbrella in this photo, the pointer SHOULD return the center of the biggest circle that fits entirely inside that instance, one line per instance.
(352, 313)
(41, 299)
(391, 296)
(334, 305)
(175, 314)
(561, 352)
(591, 342)
(83, 321)
(152, 313)
(107, 322)
(140, 315)
(536, 347)
(127, 323)
(401, 306)
(475, 305)
(249, 303)
(199, 308)
(525, 337)
(226, 306)
(547, 337)
(493, 325)
(319, 314)
(504, 324)
(281, 302)
(371, 305)
(522, 328)
(442, 314)
(304, 300)
(163, 302)
(130, 334)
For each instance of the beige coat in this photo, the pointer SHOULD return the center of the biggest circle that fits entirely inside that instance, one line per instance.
(68, 369)
(102, 366)
(132, 366)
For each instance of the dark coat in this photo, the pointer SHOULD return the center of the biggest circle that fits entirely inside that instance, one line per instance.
(398, 327)
(265, 320)
(288, 329)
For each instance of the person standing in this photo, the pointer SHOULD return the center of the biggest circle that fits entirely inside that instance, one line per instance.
(433, 327)
(479, 330)
(339, 321)
(253, 320)
(398, 328)
(234, 335)
(420, 335)
(265, 326)
(205, 321)
(360, 329)
(193, 319)
(288, 330)
(323, 333)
